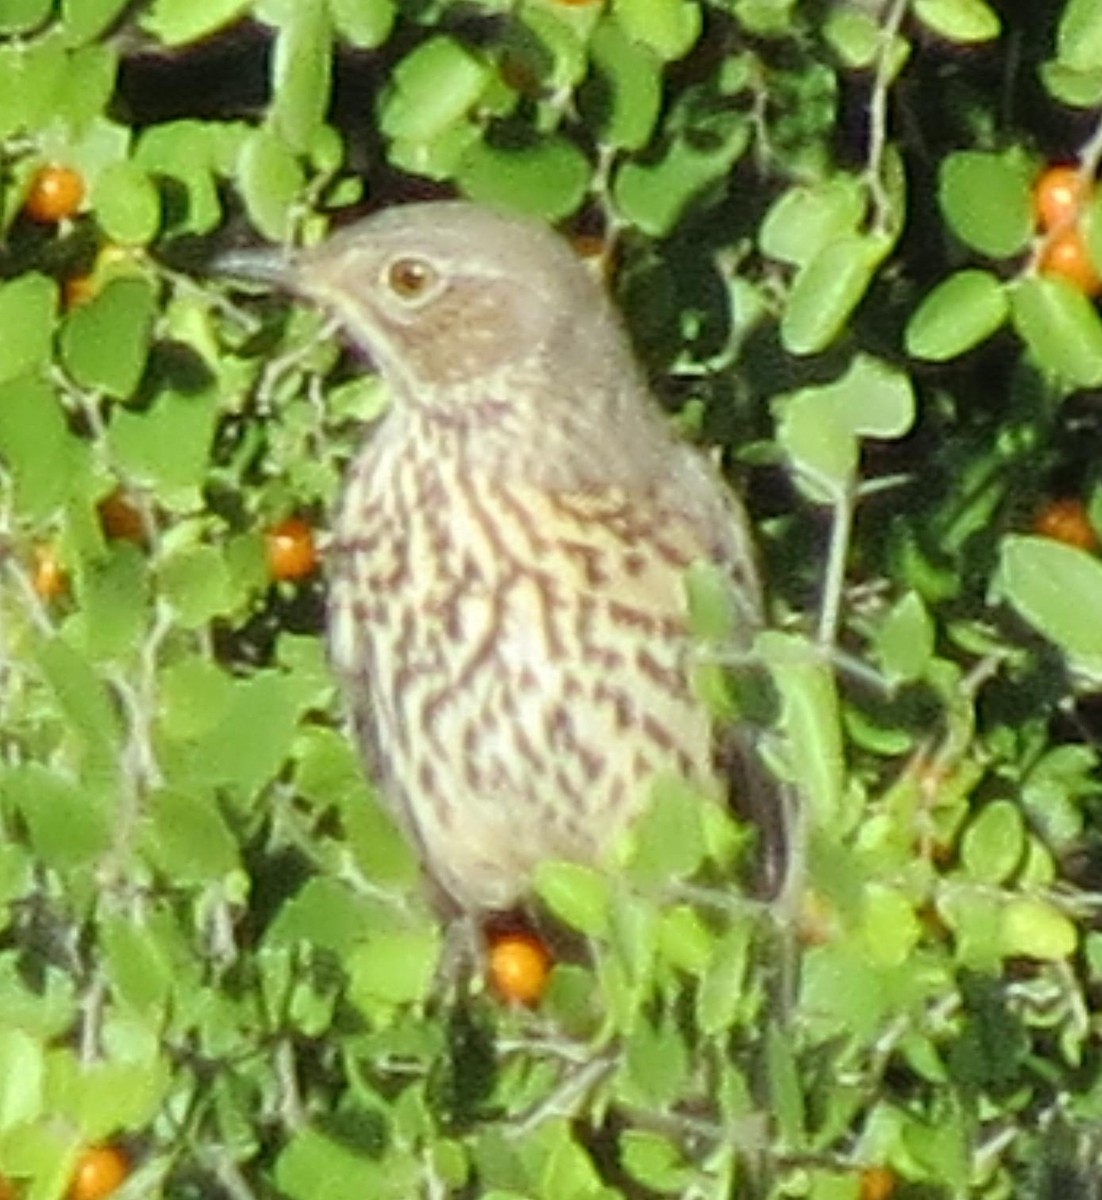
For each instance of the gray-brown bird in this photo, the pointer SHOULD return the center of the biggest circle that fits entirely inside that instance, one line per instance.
(508, 606)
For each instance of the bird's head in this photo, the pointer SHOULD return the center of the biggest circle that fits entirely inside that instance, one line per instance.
(449, 297)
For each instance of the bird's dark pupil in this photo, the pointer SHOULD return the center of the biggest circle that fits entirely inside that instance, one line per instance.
(409, 277)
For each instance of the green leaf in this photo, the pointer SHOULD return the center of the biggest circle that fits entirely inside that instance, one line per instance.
(31, 76)
(653, 196)
(666, 841)
(434, 86)
(827, 290)
(166, 447)
(22, 1074)
(819, 427)
(786, 1100)
(723, 989)
(188, 838)
(27, 307)
(301, 70)
(325, 912)
(1058, 590)
(656, 1062)
(365, 24)
(100, 1098)
(963, 21)
(962, 311)
(23, 16)
(1033, 928)
(176, 22)
(196, 582)
(195, 696)
(393, 967)
(69, 826)
(83, 698)
(44, 458)
(251, 740)
(1079, 89)
(994, 843)
(546, 178)
(1079, 38)
(113, 592)
(986, 200)
(271, 182)
(135, 964)
(85, 20)
(654, 1161)
(624, 97)
(127, 204)
(84, 93)
(1061, 328)
(185, 151)
(314, 1166)
(890, 930)
(810, 721)
(105, 343)
(669, 27)
(685, 940)
(578, 895)
(807, 218)
(858, 40)
(905, 641)
(567, 1169)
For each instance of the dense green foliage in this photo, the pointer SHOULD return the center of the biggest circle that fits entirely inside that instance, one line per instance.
(817, 217)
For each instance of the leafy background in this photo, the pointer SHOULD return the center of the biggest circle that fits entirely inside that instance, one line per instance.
(817, 218)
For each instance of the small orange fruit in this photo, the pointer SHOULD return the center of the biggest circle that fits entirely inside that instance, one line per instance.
(120, 519)
(100, 1171)
(1064, 253)
(519, 966)
(877, 1183)
(1065, 520)
(47, 577)
(56, 192)
(291, 551)
(1059, 196)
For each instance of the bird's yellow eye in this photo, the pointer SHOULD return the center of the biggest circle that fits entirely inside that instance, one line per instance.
(410, 278)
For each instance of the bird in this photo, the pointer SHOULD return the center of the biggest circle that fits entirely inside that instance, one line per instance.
(507, 611)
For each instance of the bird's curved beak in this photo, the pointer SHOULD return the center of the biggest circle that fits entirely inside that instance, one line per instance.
(276, 266)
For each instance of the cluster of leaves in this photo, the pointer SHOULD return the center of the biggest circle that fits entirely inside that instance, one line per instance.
(212, 946)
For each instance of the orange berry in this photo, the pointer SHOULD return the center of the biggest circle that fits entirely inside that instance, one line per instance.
(1059, 196)
(47, 577)
(1065, 253)
(1066, 521)
(55, 193)
(100, 1171)
(519, 966)
(120, 519)
(877, 1183)
(7, 1188)
(292, 554)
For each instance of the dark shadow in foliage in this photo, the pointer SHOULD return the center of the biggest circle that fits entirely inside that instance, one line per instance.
(216, 79)
(360, 1130)
(464, 1078)
(277, 876)
(989, 1055)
